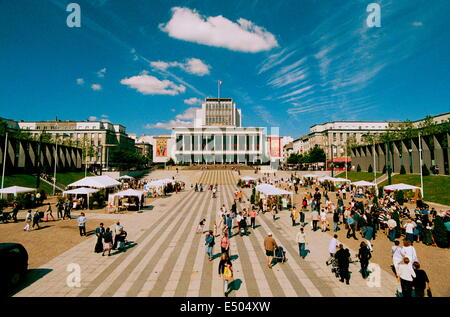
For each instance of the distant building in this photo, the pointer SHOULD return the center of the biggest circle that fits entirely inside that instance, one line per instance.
(97, 135)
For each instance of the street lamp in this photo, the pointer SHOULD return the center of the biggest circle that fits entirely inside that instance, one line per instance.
(410, 161)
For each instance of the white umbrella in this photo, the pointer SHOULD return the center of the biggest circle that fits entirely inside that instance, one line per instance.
(16, 190)
(344, 180)
(400, 186)
(363, 184)
(125, 177)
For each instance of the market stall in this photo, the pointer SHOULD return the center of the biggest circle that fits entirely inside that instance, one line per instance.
(14, 190)
(270, 190)
(129, 193)
(81, 191)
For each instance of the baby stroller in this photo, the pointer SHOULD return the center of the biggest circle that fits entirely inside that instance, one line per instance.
(334, 267)
(280, 255)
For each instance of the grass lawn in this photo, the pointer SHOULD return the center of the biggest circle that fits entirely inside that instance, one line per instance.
(70, 177)
(436, 188)
(26, 180)
(359, 176)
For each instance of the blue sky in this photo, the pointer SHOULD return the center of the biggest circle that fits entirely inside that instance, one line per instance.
(292, 64)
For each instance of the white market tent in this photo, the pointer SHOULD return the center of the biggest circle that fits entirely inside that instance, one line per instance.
(159, 183)
(248, 178)
(363, 184)
(271, 190)
(16, 190)
(81, 191)
(130, 193)
(102, 181)
(125, 177)
(310, 176)
(326, 178)
(400, 186)
(343, 180)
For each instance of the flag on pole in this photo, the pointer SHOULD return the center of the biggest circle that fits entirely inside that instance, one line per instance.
(220, 83)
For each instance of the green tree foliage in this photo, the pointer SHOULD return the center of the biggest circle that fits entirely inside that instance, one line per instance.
(440, 233)
(370, 169)
(170, 162)
(358, 168)
(425, 170)
(400, 197)
(126, 158)
(402, 169)
(316, 154)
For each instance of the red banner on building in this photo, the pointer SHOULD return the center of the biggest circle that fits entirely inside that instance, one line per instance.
(275, 147)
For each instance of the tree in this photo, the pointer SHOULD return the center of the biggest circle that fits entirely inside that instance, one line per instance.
(400, 197)
(384, 169)
(425, 170)
(440, 233)
(170, 162)
(402, 169)
(316, 154)
(358, 168)
(370, 169)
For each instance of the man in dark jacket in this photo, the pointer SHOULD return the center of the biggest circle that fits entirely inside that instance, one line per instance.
(343, 258)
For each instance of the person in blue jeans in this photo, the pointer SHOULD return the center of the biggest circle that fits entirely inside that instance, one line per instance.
(209, 243)
(301, 240)
(229, 223)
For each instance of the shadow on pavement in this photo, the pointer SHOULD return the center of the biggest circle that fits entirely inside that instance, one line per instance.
(235, 285)
(129, 245)
(32, 276)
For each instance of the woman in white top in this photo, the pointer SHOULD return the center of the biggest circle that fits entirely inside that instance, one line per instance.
(408, 251)
(323, 220)
(406, 275)
(397, 256)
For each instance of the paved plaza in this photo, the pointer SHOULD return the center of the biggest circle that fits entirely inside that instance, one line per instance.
(167, 258)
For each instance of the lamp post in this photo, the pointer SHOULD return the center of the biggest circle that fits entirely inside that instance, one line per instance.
(420, 162)
(4, 160)
(54, 172)
(410, 161)
(332, 162)
(389, 171)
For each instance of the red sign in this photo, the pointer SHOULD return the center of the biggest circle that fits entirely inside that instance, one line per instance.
(275, 147)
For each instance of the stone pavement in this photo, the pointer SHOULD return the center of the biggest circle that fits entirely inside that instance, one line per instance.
(169, 258)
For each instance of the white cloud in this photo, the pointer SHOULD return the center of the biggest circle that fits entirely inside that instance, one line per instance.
(80, 81)
(150, 85)
(192, 65)
(92, 118)
(243, 35)
(188, 114)
(417, 23)
(193, 101)
(104, 116)
(169, 125)
(96, 87)
(101, 73)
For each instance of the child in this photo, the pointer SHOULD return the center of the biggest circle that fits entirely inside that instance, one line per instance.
(201, 225)
(27, 221)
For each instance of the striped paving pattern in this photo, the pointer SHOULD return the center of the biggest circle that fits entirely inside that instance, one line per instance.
(170, 259)
(218, 177)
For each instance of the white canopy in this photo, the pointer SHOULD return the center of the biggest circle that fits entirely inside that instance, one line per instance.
(363, 184)
(248, 178)
(310, 176)
(80, 191)
(400, 186)
(129, 192)
(326, 178)
(341, 180)
(269, 190)
(16, 190)
(125, 177)
(159, 183)
(102, 181)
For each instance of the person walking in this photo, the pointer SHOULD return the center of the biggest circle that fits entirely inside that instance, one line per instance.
(421, 281)
(60, 209)
(15, 211)
(28, 219)
(229, 224)
(49, 212)
(253, 214)
(274, 212)
(107, 242)
(409, 252)
(270, 245)
(323, 221)
(302, 215)
(99, 232)
(315, 219)
(36, 219)
(332, 246)
(405, 276)
(201, 226)
(225, 272)
(301, 240)
(397, 256)
(336, 218)
(118, 229)
(82, 224)
(209, 243)
(343, 258)
(351, 227)
(294, 216)
(225, 244)
(364, 255)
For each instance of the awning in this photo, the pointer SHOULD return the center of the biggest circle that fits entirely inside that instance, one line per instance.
(341, 159)
(363, 184)
(400, 186)
(102, 181)
(271, 190)
(16, 190)
(125, 177)
(80, 191)
(129, 192)
(342, 180)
